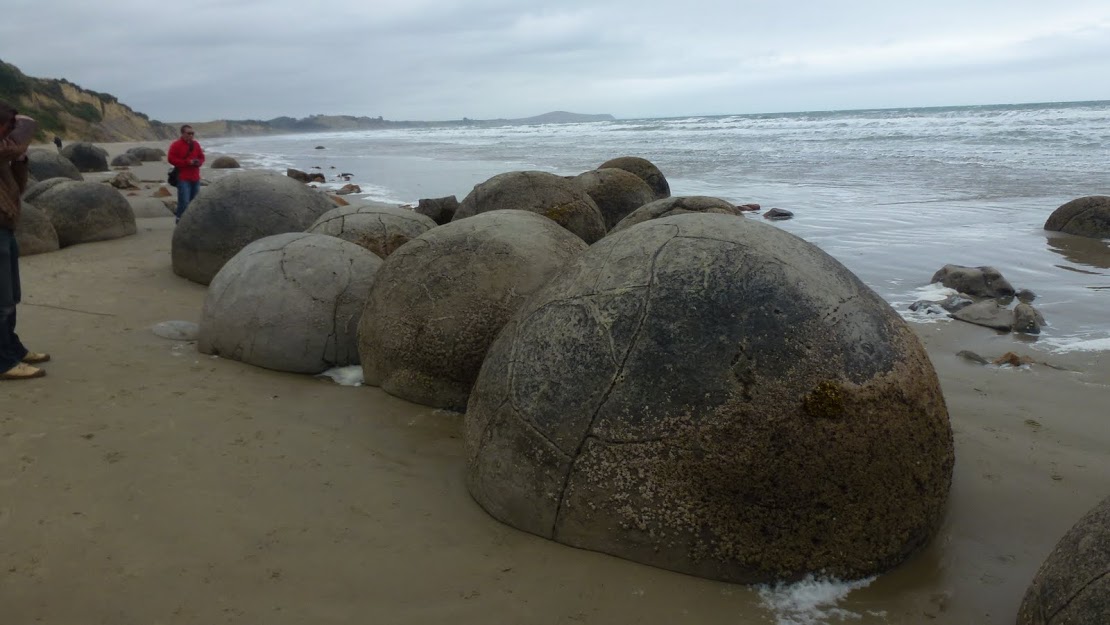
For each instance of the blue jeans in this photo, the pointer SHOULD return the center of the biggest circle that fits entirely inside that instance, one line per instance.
(11, 349)
(186, 192)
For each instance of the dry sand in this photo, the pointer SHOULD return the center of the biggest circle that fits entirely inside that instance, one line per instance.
(144, 483)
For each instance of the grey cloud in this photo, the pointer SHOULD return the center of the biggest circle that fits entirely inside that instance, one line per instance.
(445, 59)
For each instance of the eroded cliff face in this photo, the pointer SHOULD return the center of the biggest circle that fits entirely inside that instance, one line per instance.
(76, 114)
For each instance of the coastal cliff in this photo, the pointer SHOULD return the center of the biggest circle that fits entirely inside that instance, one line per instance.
(77, 114)
(73, 113)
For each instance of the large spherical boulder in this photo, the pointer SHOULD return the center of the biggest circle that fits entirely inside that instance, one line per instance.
(380, 228)
(224, 162)
(714, 396)
(439, 301)
(147, 153)
(549, 195)
(1072, 587)
(615, 191)
(645, 169)
(289, 302)
(82, 212)
(235, 210)
(678, 206)
(86, 156)
(34, 233)
(46, 164)
(1085, 217)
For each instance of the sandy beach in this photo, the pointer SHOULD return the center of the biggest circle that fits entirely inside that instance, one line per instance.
(144, 483)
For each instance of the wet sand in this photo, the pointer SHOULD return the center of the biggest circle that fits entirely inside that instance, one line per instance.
(143, 482)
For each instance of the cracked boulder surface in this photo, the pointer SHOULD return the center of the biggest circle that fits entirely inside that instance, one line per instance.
(539, 192)
(1072, 587)
(235, 210)
(289, 302)
(380, 228)
(678, 206)
(615, 191)
(34, 233)
(439, 301)
(1086, 217)
(643, 168)
(83, 212)
(714, 396)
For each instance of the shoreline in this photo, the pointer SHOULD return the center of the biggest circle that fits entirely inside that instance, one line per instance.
(194, 489)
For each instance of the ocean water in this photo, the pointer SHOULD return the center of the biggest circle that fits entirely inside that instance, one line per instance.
(893, 194)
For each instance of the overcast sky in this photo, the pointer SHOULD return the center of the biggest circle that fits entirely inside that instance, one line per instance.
(448, 59)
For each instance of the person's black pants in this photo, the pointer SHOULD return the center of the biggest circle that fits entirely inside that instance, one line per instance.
(12, 350)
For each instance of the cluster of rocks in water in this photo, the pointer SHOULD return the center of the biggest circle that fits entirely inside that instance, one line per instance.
(649, 376)
(983, 297)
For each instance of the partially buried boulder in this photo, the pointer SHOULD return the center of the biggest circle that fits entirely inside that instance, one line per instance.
(238, 209)
(1085, 217)
(615, 191)
(289, 302)
(1072, 587)
(126, 160)
(35, 234)
(147, 153)
(549, 195)
(86, 156)
(714, 396)
(645, 169)
(974, 281)
(46, 164)
(224, 162)
(439, 301)
(82, 212)
(678, 206)
(380, 228)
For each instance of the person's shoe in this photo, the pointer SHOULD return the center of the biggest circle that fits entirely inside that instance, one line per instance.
(22, 371)
(34, 358)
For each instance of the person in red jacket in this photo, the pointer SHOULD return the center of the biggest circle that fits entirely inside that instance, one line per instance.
(187, 156)
(16, 132)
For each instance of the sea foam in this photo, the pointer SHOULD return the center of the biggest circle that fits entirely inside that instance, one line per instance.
(811, 601)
